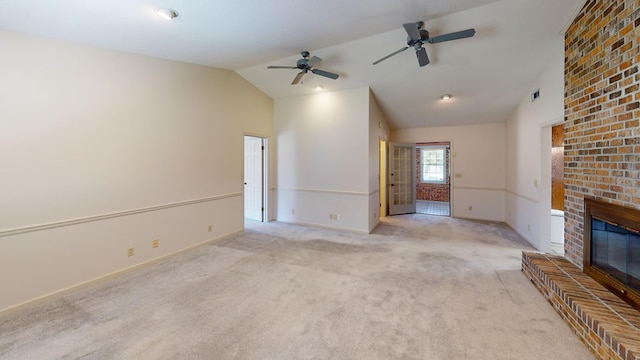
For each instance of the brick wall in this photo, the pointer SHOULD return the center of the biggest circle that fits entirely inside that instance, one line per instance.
(602, 112)
(432, 192)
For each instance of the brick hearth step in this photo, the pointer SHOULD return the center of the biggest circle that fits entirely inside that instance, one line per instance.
(606, 324)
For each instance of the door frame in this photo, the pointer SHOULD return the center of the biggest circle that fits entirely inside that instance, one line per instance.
(544, 184)
(449, 164)
(264, 176)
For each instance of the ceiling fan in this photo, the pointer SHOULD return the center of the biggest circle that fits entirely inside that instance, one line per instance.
(418, 37)
(305, 65)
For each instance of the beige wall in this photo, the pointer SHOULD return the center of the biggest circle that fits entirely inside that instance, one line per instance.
(478, 157)
(102, 151)
(378, 130)
(528, 205)
(326, 154)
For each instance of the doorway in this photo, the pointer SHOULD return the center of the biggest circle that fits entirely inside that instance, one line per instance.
(557, 189)
(550, 207)
(433, 180)
(254, 178)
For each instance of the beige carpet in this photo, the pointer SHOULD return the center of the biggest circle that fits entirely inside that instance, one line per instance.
(419, 287)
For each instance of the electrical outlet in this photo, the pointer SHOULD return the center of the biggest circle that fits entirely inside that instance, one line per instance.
(210, 227)
(156, 243)
(131, 251)
(338, 217)
(470, 208)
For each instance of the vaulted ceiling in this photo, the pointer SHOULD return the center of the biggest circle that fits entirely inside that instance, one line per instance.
(487, 74)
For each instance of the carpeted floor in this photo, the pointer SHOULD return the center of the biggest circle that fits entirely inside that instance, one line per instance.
(419, 287)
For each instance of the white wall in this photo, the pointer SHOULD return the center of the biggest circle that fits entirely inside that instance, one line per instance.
(324, 157)
(378, 130)
(478, 157)
(528, 127)
(102, 151)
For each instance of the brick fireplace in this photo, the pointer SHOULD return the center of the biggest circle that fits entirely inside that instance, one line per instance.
(601, 163)
(602, 112)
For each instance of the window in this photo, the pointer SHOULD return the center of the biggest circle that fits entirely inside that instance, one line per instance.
(433, 167)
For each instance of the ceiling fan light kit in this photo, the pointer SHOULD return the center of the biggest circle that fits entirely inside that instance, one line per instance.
(167, 13)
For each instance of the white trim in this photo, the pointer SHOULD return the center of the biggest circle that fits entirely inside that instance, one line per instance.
(322, 191)
(478, 188)
(444, 147)
(63, 223)
(119, 272)
(258, 135)
(522, 196)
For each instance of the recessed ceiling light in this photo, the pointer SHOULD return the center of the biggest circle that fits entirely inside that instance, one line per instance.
(446, 97)
(167, 13)
(319, 87)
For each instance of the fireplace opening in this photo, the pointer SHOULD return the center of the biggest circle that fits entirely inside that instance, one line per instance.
(612, 248)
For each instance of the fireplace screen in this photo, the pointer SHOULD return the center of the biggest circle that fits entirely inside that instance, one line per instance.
(616, 250)
(612, 248)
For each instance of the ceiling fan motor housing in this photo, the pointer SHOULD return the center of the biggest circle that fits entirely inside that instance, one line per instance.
(424, 37)
(302, 63)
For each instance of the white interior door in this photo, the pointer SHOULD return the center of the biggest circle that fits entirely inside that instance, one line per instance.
(253, 178)
(402, 178)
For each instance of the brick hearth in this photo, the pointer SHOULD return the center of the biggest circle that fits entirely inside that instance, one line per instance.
(607, 325)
